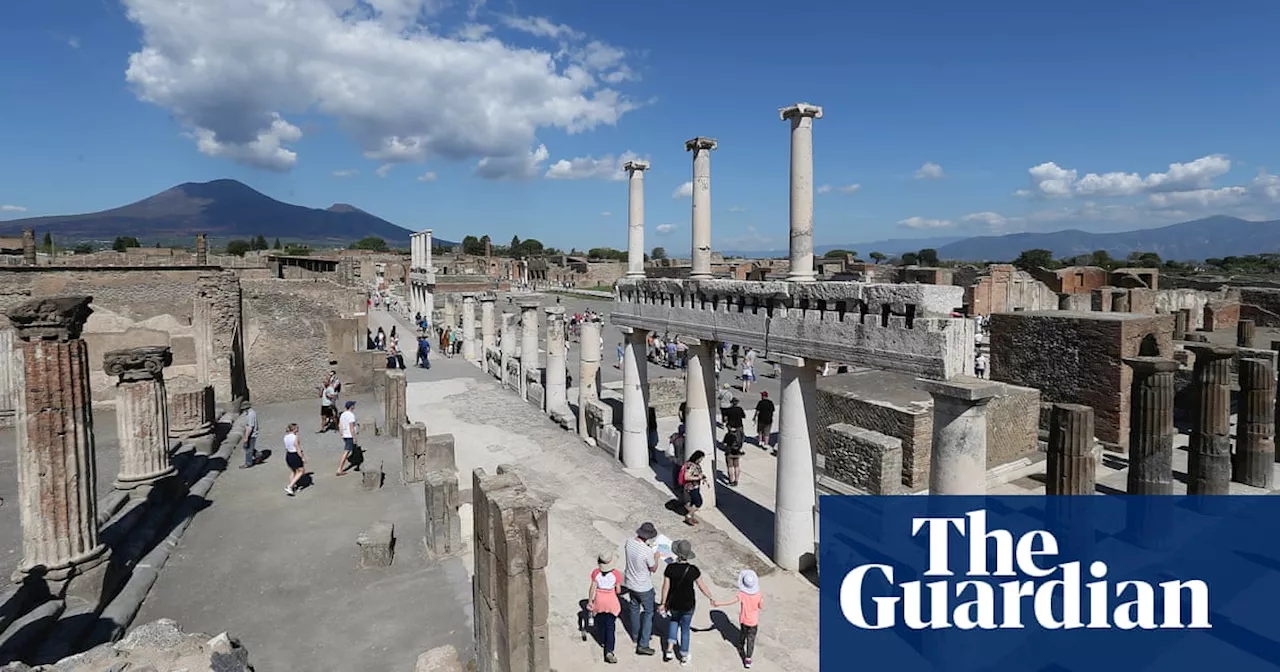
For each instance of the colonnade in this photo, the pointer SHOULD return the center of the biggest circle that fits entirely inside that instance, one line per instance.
(421, 274)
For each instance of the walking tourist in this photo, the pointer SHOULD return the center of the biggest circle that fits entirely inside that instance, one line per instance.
(733, 456)
(750, 602)
(763, 416)
(294, 459)
(349, 429)
(424, 352)
(980, 365)
(642, 561)
(621, 353)
(724, 398)
(250, 440)
(603, 604)
(328, 409)
(679, 600)
(691, 478)
(748, 369)
(734, 417)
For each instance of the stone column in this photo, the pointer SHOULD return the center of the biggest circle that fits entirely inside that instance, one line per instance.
(450, 317)
(635, 399)
(699, 421)
(219, 338)
(202, 250)
(28, 247)
(1072, 468)
(1181, 322)
(801, 116)
(1244, 333)
(1209, 452)
(508, 338)
(588, 372)
(701, 228)
(1151, 427)
(958, 462)
(557, 389)
(528, 344)
(487, 335)
(57, 462)
(142, 415)
(190, 413)
(469, 327)
(793, 532)
(635, 217)
(1255, 456)
(395, 405)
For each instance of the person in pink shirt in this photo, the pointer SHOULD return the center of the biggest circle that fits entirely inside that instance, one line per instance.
(603, 604)
(750, 602)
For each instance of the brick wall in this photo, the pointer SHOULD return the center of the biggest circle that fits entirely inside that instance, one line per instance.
(1221, 315)
(1261, 304)
(912, 425)
(1006, 289)
(1013, 420)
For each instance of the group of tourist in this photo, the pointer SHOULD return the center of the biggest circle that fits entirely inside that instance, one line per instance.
(676, 602)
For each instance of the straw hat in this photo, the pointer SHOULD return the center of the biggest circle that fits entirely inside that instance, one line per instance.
(605, 561)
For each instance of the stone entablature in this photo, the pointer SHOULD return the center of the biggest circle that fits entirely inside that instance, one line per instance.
(895, 327)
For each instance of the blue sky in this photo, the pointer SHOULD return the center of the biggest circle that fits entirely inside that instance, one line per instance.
(454, 114)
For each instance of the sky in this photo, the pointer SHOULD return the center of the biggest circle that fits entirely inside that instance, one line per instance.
(513, 118)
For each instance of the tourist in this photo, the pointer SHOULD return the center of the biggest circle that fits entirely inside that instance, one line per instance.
(455, 341)
(294, 459)
(250, 440)
(734, 419)
(724, 398)
(980, 365)
(424, 352)
(763, 417)
(602, 602)
(417, 319)
(672, 348)
(679, 600)
(733, 457)
(380, 340)
(733, 355)
(349, 429)
(691, 478)
(621, 354)
(750, 602)
(328, 408)
(444, 342)
(642, 561)
(748, 369)
(395, 360)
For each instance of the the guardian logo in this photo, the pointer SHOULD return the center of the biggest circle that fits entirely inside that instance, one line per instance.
(1060, 602)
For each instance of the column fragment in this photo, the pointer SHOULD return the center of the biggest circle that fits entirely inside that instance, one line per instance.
(1209, 452)
(958, 462)
(1151, 426)
(1254, 460)
(142, 415)
(1072, 469)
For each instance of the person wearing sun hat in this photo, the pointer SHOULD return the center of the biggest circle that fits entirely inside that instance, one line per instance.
(642, 561)
(602, 601)
(679, 600)
(750, 603)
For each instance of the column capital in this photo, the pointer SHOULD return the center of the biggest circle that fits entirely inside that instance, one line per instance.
(142, 363)
(468, 297)
(800, 110)
(1151, 364)
(54, 319)
(1209, 351)
(488, 297)
(528, 304)
(700, 143)
(975, 391)
(635, 166)
(554, 311)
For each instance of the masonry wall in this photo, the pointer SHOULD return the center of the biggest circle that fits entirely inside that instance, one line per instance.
(1006, 289)
(1261, 304)
(1013, 423)
(912, 425)
(1173, 300)
(1219, 315)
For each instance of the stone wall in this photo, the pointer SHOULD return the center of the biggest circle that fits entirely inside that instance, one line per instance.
(1005, 289)
(665, 395)
(1013, 422)
(911, 422)
(1219, 315)
(1173, 300)
(1261, 304)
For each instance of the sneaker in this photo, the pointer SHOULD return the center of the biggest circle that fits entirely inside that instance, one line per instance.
(666, 656)
(289, 491)
(610, 658)
(644, 651)
(684, 661)
(746, 663)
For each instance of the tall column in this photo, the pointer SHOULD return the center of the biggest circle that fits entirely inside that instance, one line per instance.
(635, 399)
(528, 344)
(142, 416)
(57, 461)
(588, 372)
(701, 228)
(486, 326)
(1151, 427)
(507, 341)
(1255, 456)
(1209, 452)
(28, 247)
(635, 217)
(699, 423)
(1244, 333)
(958, 462)
(469, 327)
(450, 317)
(794, 500)
(557, 389)
(202, 250)
(801, 116)
(1072, 469)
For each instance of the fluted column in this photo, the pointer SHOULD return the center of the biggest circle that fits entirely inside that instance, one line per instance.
(635, 400)
(557, 390)
(1245, 333)
(588, 372)
(508, 345)
(635, 217)
(1209, 453)
(142, 415)
(469, 327)
(190, 413)
(1151, 427)
(793, 532)
(1072, 469)
(1254, 460)
(699, 422)
(528, 344)
(801, 116)
(57, 461)
(958, 461)
(701, 225)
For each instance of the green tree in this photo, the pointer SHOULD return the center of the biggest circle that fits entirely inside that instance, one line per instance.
(840, 254)
(238, 248)
(260, 243)
(83, 248)
(515, 245)
(471, 245)
(277, 245)
(372, 243)
(910, 259)
(877, 257)
(659, 253)
(48, 243)
(1144, 259)
(531, 247)
(1101, 258)
(1037, 258)
(122, 243)
(928, 256)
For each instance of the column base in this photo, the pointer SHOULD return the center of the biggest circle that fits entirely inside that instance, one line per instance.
(82, 576)
(132, 482)
(809, 277)
(196, 432)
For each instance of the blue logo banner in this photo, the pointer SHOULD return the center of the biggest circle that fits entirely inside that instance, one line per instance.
(1085, 584)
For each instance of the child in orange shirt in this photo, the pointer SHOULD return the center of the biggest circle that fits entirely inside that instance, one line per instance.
(750, 603)
(602, 602)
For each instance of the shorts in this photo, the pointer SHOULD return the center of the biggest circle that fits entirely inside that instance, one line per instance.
(293, 461)
(749, 375)
(695, 497)
(764, 427)
(326, 412)
(732, 459)
(348, 444)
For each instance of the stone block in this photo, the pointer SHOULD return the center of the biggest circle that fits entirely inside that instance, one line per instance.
(444, 526)
(665, 395)
(536, 394)
(861, 458)
(377, 545)
(395, 402)
(609, 439)
(884, 402)
(1013, 424)
(371, 479)
(413, 443)
(440, 659)
(599, 415)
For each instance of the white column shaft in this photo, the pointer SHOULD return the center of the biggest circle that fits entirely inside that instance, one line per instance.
(958, 463)
(701, 225)
(588, 372)
(801, 199)
(794, 499)
(557, 389)
(635, 402)
(635, 225)
(469, 328)
(699, 422)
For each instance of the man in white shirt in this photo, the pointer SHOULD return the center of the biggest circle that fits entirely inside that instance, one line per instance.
(637, 580)
(348, 427)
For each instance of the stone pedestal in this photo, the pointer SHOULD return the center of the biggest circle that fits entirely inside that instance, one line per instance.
(487, 335)
(395, 404)
(1120, 302)
(1209, 453)
(1072, 469)
(56, 459)
(469, 327)
(1254, 460)
(699, 420)
(142, 415)
(557, 387)
(635, 217)
(1151, 427)
(635, 399)
(190, 413)
(507, 341)
(793, 532)
(528, 344)
(588, 372)
(1245, 331)
(801, 116)
(958, 460)
(701, 225)
(444, 525)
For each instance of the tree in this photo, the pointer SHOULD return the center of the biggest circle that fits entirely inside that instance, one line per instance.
(1101, 258)
(658, 253)
(123, 243)
(1037, 258)
(515, 245)
(877, 257)
(83, 248)
(1144, 259)
(260, 243)
(277, 245)
(238, 248)
(910, 259)
(372, 243)
(48, 242)
(472, 245)
(928, 256)
(839, 254)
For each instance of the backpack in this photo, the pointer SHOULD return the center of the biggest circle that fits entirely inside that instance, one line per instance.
(680, 475)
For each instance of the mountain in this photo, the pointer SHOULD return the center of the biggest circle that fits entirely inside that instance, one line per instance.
(890, 246)
(1217, 236)
(223, 209)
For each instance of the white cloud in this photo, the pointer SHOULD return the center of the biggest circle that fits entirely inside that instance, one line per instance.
(924, 223)
(737, 208)
(824, 189)
(427, 177)
(384, 169)
(345, 173)
(233, 70)
(846, 189)
(12, 208)
(993, 221)
(473, 31)
(683, 191)
(666, 228)
(513, 167)
(606, 213)
(1049, 180)
(929, 171)
(586, 167)
(73, 42)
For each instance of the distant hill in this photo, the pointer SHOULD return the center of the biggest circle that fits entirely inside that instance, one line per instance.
(891, 247)
(223, 209)
(1217, 236)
